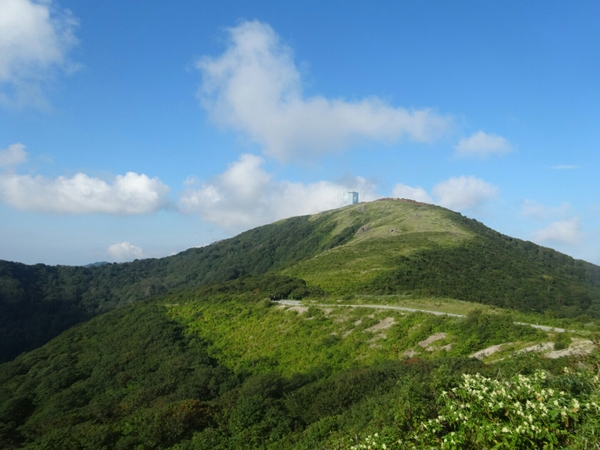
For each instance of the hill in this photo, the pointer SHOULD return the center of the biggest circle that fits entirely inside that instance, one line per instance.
(222, 367)
(191, 351)
(384, 247)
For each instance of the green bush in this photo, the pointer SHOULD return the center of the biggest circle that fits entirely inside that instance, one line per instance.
(525, 412)
(561, 341)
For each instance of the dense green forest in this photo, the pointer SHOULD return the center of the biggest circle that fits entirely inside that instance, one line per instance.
(503, 273)
(382, 247)
(197, 370)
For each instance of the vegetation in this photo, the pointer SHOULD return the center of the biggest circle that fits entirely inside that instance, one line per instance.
(195, 352)
(383, 247)
(505, 273)
(224, 367)
(538, 411)
(38, 302)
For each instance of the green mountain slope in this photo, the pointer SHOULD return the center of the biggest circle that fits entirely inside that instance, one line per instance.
(37, 302)
(191, 353)
(429, 251)
(387, 246)
(219, 361)
(222, 367)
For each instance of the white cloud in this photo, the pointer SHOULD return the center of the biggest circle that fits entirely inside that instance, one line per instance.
(128, 194)
(566, 231)
(35, 38)
(483, 145)
(124, 251)
(537, 211)
(245, 195)
(13, 155)
(460, 193)
(255, 88)
(419, 194)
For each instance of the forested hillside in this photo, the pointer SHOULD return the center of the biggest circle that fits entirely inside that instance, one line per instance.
(224, 368)
(383, 247)
(38, 302)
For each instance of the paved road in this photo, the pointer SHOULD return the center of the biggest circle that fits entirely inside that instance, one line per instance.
(398, 308)
(401, 308)
(543, 327)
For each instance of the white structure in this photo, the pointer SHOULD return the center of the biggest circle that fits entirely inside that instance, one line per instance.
(350, 198)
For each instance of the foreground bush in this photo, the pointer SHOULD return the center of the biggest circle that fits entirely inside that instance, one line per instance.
(537, 411)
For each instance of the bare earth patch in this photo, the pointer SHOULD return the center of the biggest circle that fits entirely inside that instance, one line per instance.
(542, 347)
(488, 351)
(577, 347)
(431, 339)
(383, 325)
(298, 309)
(378, 337)
(409, 353)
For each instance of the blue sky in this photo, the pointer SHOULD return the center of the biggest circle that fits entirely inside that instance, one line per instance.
(132, 129)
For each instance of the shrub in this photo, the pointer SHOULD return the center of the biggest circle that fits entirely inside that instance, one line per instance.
(523, 412)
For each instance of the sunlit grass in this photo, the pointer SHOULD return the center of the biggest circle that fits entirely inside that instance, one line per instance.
(460, 307)
(266, 337)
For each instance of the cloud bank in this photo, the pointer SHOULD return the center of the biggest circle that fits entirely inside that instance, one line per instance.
(35, 39)
(245, 195)
(460, 193)
(483, 145)
(419, 194)
(457, 193)
(128, 194)
(534, 210)
(565, 232)
(255, 88)
(124, 251)
(12, 156)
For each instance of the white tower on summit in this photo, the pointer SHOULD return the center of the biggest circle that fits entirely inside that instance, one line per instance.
(350, 198)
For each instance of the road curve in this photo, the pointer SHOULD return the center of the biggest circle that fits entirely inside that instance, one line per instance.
(413, 310)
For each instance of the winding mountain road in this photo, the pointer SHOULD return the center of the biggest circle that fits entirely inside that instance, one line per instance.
(402, 308)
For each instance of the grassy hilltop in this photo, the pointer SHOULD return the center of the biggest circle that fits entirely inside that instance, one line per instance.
(419, 249)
